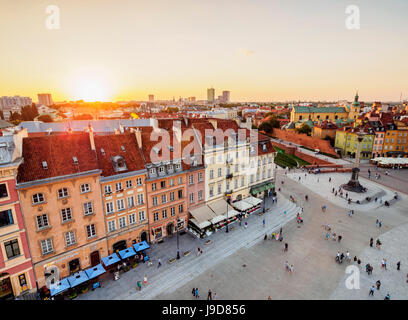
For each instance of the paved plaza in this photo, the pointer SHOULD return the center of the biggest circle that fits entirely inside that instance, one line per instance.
(241, 265)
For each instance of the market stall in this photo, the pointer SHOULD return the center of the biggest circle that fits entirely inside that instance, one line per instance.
(140, 249)
(93, 273)
(200, 224)
(59, 287)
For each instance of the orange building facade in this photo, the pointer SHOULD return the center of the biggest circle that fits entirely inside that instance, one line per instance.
(59, 188)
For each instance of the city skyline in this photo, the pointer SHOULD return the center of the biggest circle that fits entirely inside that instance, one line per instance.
(259, 50)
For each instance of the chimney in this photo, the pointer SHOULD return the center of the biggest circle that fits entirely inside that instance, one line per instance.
(138, 135)
(91, 138)
(177, 129)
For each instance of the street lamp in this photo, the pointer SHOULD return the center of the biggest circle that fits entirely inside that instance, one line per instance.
(178, 252)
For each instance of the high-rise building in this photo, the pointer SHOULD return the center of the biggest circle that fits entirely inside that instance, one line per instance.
(210, 95)
(226, 96)
(151, 98)
(16, 101)
(45, 99)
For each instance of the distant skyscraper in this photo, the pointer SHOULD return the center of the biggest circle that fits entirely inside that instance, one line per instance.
(226, 96)
(151, 98)
(45, 99)
(210, 95)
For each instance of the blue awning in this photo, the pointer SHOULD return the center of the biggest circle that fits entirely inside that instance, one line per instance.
(59, 287)
(141, 246)
(95, 271)
(129, 252)
(78, 278)
(109, 260)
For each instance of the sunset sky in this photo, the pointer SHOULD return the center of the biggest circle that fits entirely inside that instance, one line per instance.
(260, 50)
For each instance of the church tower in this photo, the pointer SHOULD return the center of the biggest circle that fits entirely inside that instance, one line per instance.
(355, 108)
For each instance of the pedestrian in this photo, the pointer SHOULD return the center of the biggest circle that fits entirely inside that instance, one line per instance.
(158, 263)
(371, 242)
(263, 222)
(382, 263)
(355, 260)
(379, 224)
(348, 256)
(385, 264)
(286, 247)
(346, 195)
(376, 222)
(196, 293)
(209, 296)
(398, 265)
(371, 293)
(280, 230)
(378, 284)
(387, 297)
(139, 285)
(246, 224)
(193, 292)
(359, 263)
(214, 296)
(327, 236)
(145, 280)
(339, 238)
(291, 269)
(287, 266)
(329, 179)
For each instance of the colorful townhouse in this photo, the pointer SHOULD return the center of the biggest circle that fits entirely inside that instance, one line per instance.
(16, 270)
(59, 189)
(395, 140)
(123, 190)
(346, 141)
(166, 184)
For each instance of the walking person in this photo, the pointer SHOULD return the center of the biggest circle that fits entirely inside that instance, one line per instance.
(209, 296)
(158, 263)
(193, 292)
(145, 280)
(285, 249)
(387, 297)
(339, 238)
(287, 266)
(139, 285)
(378, 284)
(263, 222)
(196, 293)
(291, 269)
(371, 293)
(398, 265)
(371, 242)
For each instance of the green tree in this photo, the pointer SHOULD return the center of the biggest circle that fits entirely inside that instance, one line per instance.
(265, 126)
(304, 128)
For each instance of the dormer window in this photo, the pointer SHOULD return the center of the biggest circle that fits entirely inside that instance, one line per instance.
(45, 165)
(152, 171)
(161, 170)
(103, 151)
(264, 147)
(170, 167)
(123, 148)
(178, 166)
(119, 163)
(75, 159)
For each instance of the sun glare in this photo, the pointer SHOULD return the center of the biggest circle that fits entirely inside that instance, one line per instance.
(91, 90)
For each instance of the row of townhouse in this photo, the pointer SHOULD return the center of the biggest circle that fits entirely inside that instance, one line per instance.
(70, 199)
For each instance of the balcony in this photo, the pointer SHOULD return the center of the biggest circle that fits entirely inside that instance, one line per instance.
(229, 176)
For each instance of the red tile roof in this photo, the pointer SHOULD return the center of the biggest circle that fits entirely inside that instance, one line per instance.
(58, 151)
(112, 146)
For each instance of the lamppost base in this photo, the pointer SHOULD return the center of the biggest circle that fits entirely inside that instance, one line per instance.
(354, 185)
(178, 255)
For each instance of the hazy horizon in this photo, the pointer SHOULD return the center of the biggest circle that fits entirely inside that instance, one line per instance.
(260, 50)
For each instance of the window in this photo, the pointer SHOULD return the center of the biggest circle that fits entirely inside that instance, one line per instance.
(6, 218)
(164, 214)
(140, 199)
(161, 170)
(121, 204)
(66, 214)
(211, 191)
(164, 198)
(236, 167)
(200, 195)
(154, 187)
(180, 194)
(178, 166)
(191, 197)
(236, 183)
(180, 208)
(12, 248)
(111, 225)
(173, 211)
(118, 186)
(108, 189)
(129, 184)
(211, 174)
(180, 180)
(63, 193)
(142, 216)
(219, 189)
(88, 208)
(132, 218)
(219, 172)
(242, 181)
(3, 190)
(227, 186)
(109, 207)
(90, 231)
(200, 176)
(155, 203)
(70, 238)
(152, 171)
(42, 221)
(122, 222)
(131, 202)
(155, 216)
(163, 184)
(46, 246)
(191, 179)
(86, 187)
(138, 181)
(172, 196)
(171, 182)
(38, 198)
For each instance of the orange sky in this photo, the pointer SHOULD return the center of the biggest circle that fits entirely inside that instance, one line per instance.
(260, 50)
